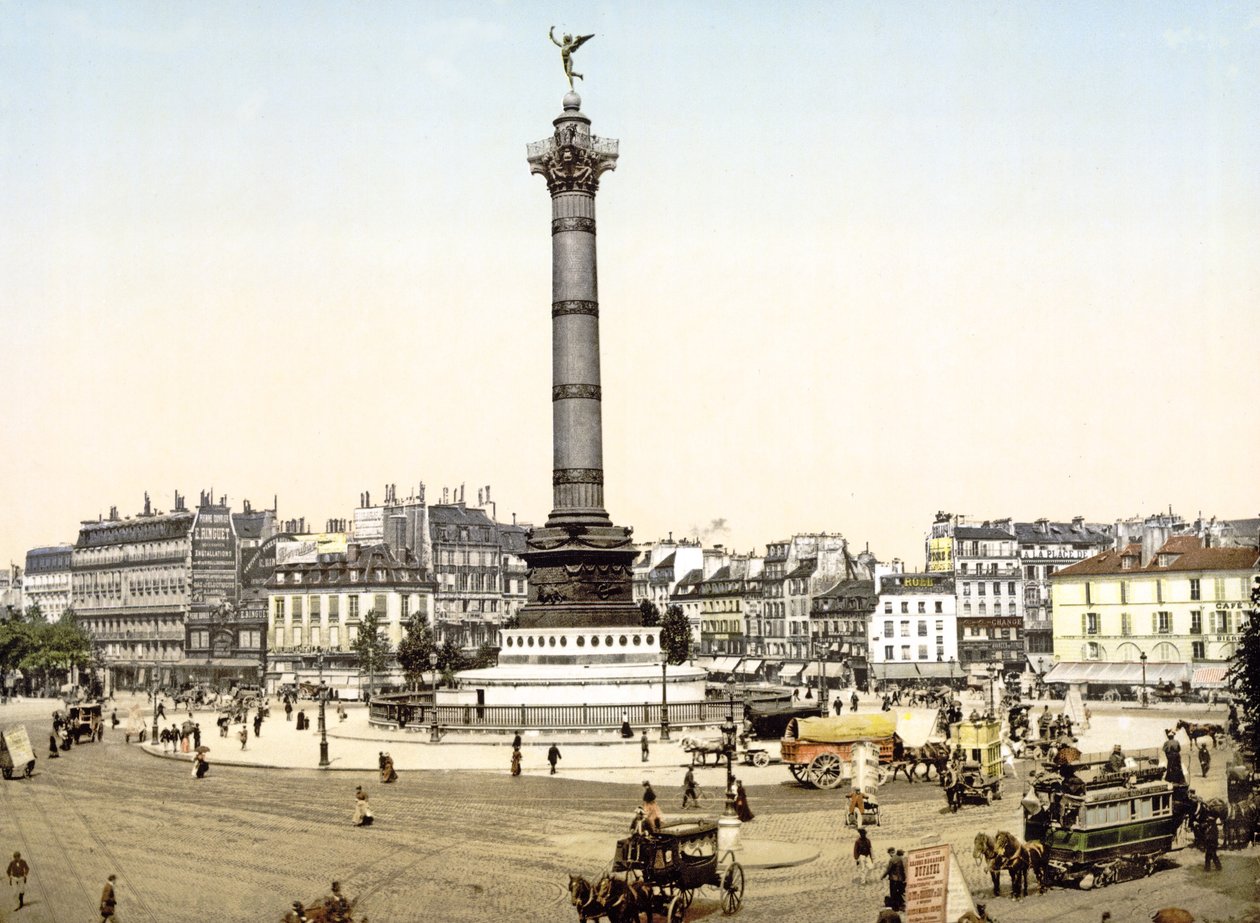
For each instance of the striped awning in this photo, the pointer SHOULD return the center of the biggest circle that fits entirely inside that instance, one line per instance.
(790, 669)
(724, 664)
(1209, 677)
(749, 665)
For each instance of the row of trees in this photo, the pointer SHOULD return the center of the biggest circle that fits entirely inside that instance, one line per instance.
(47, 653)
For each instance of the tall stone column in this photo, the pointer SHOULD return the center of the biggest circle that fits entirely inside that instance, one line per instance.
(579, 561)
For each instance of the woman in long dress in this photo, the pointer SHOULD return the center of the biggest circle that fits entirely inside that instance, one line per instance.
(362, 812)
(741, 803)
(516, 761)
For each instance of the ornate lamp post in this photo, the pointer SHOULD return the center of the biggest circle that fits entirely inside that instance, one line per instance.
(1142, 657)
(992, 670)
(664, 697)
(729, 741)
(434, 735)
(951, 673)
(323, 727)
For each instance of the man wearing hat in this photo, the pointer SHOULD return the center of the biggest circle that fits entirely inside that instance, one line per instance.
(1115, 762)
(108, 899)
(18, 872)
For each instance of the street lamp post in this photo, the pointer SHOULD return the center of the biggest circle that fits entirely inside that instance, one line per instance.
(821, 650)
(992, 670)
(728, 750)
(951, 674)
(323, 727)
(1142, 657)
(434, 735)
(664, 697)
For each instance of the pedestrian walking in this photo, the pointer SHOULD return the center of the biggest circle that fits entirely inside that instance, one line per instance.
(862, 857)
(288, 709)
(516, 762)
(1088, 714)
(895, 872)
(109, 899)
(387, 769)
(52, 746)
(196, 735)
(362, 811)
(853, 701)
(553, 757)
(643, 747)
(200, 766)
(243, 735)
(1205, 759)
(516, 741)
(690, 791)
(341, 712)
(18, 872)
(741, 803)
(113, 718)
(258, 724)
(1211, 839)
(626, 731)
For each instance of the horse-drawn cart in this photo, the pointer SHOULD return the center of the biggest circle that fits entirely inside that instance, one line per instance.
(666, 869)
(819, 751)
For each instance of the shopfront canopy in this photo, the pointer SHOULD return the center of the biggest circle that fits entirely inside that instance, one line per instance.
(749, 666)
(1120, 674)
(724, 665)
(924, 670)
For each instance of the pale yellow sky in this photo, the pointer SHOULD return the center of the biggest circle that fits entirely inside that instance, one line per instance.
(858, 264)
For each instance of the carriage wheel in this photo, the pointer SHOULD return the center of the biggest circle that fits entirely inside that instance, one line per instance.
(676, 910)
(733, 889)
(798, 771)
(686, 894)
(988, 796)
(761, 758)
(826, 770)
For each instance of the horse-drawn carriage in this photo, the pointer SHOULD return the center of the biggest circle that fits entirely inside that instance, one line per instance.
(659, 874)
(84, 721)
(1099, 825)
(976, 774)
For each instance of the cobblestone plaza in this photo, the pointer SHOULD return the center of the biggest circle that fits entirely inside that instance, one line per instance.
(476, 844)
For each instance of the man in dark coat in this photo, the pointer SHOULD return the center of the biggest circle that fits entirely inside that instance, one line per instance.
(1211, 839)
(258, 724)
(553, 757)
(895, 872)
(1205, 759)
(18, 871)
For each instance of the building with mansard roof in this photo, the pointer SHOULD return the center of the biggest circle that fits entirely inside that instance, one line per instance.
(46, 580)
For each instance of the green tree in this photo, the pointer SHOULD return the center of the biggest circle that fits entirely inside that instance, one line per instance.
(649, 614)
(487, 656)
(34, 613)
(451, 659)
(57, 649)
(676, 635)
(1244, 672)
(371, 647)
(414, 649)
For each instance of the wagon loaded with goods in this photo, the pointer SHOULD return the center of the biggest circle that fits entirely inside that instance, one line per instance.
(16, 755)
(819, 751)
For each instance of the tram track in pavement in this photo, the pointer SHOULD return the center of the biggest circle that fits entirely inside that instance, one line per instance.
(43, 873)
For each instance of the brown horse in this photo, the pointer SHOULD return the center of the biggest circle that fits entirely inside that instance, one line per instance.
(1195, 731)
(608, 897)
(623, 899)
(1024, 856)
(932, 755)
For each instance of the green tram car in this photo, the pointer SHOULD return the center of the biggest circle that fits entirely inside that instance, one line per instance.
(1100, 826)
